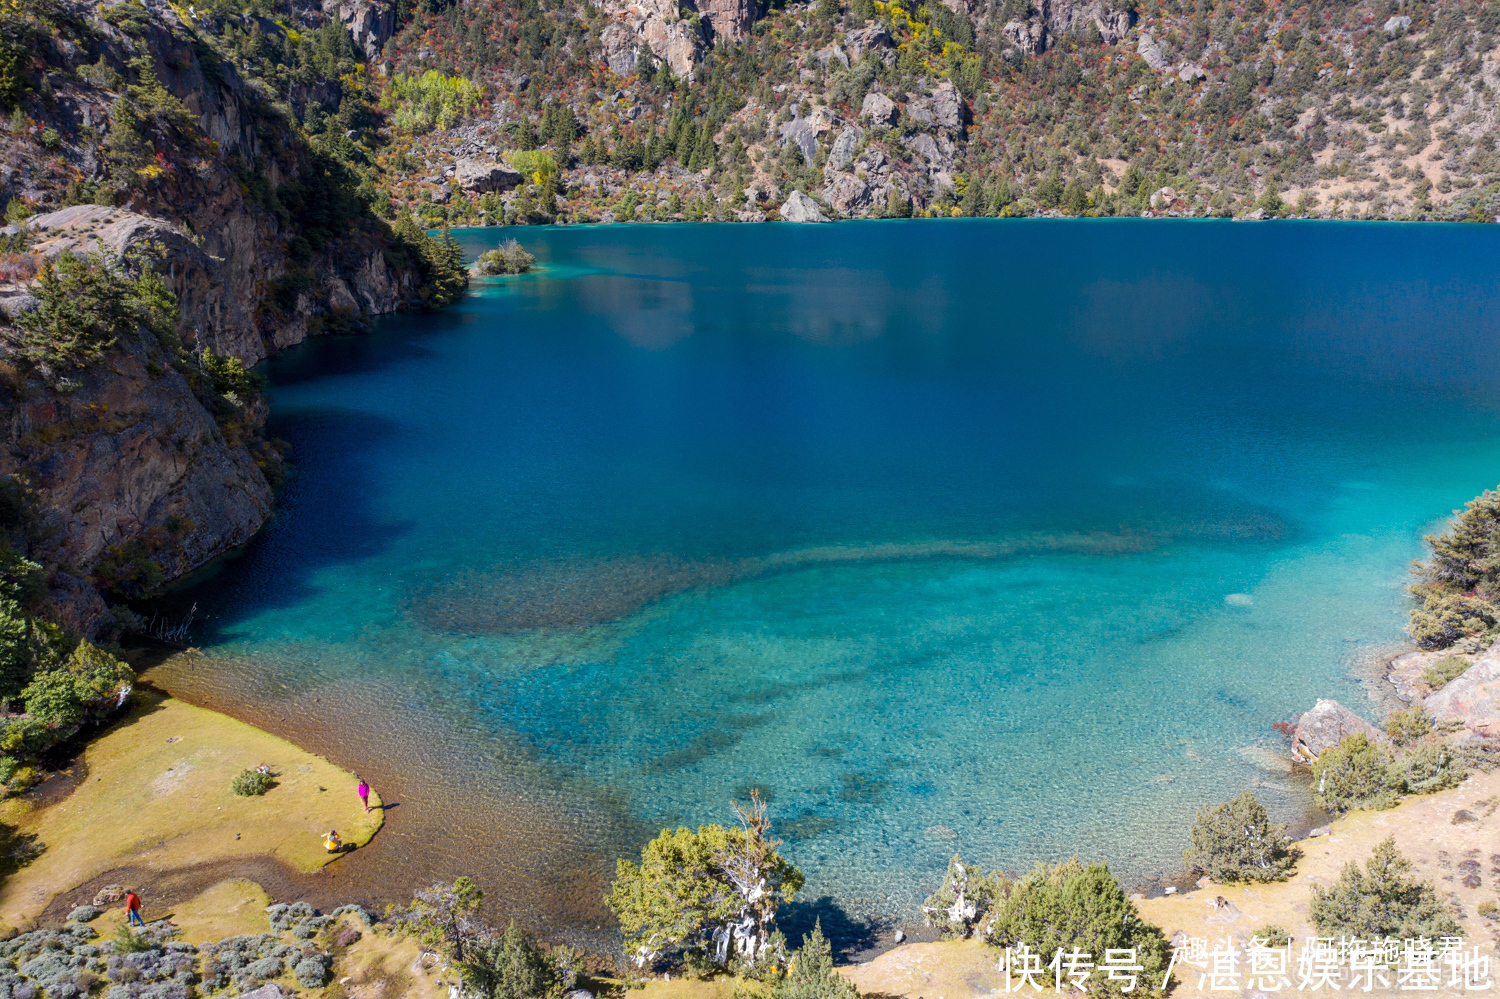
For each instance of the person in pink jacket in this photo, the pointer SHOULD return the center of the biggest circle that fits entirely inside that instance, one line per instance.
(364, 795)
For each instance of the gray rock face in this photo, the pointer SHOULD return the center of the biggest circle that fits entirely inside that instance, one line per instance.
(370, 24)
(860, 40)
(944, 108)
(843, 148)
(1075, 17)
(879, 108)
(800, 208)
(480, 176)
(804, 132)
(848, 194)
(1400, 22)
(1325, 726)
(1147, 49)
(1473, 699)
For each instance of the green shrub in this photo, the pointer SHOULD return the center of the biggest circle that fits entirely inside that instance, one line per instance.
(127, 941)
(1235, 841)
(89, 682)
(508, 258)
(1357, 773)
(1381, 901)
(1272, 935)
(508, 967)
(1407, 726)
(251, 783)
(1070, 906)
(812, 975)
(1431, 766)
(1488, 910)
(965, 901)
(1445, 671)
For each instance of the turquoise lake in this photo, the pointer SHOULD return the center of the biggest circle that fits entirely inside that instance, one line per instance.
(1008, 539)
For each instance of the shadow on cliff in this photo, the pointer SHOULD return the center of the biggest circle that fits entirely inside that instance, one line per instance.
(325, 516)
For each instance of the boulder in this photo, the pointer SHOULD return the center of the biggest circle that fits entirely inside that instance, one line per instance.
(860, 40)
(848, 194)
(270, 990)
(800, 208)
(480, 176)
(843, 148)
(1398, 23)
(1473, 699)
(879, 108)
(1325, 726)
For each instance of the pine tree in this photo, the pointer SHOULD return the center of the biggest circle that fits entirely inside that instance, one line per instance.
(812, 975)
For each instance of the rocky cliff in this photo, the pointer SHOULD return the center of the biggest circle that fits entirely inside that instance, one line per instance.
(143, 466)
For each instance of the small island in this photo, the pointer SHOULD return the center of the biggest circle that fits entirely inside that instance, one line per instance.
(508, 258)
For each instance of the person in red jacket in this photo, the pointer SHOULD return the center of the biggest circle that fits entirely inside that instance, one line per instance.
(133, 909)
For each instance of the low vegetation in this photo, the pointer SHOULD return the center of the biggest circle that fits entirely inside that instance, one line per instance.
(1236, 841)
(252, 783)
(1362, 773)
(1383, 900)
(811, 975)
(1445, 670)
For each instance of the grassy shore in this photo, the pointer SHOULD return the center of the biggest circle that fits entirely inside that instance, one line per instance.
(154, 794)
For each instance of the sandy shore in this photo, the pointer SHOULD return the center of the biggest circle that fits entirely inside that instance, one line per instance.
(149, 801)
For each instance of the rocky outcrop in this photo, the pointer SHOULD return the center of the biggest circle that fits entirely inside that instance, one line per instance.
(1049, 20)
(1147, 49)
(481, 176)
(842, 151)
(943, 108)
(653, 23)
(1325, 726)
(847, 194)
(730, 20)
(858, 41)
(803, 132)
(800, 208)
(370, 24)
(879, 109)
(1473, 699)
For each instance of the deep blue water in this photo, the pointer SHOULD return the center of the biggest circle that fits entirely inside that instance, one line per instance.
(1007, 538)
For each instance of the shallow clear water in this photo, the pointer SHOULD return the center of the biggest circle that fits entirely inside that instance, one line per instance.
(1005, 538)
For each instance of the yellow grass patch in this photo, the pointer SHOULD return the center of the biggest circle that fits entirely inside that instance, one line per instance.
(157, 795)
